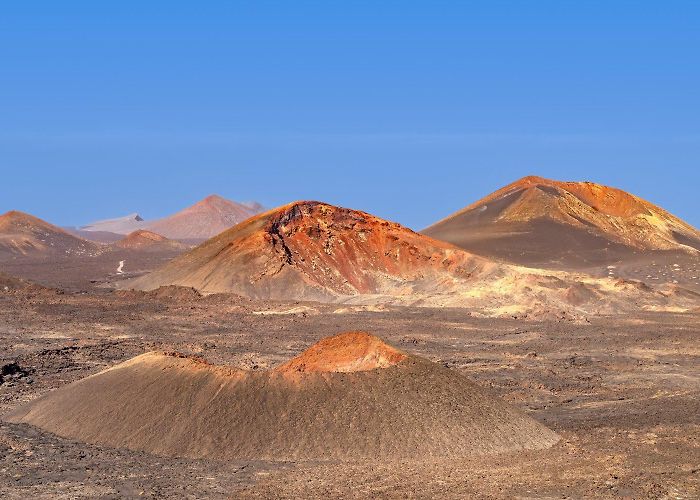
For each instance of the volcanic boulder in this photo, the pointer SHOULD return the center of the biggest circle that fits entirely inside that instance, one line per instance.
(348, 397)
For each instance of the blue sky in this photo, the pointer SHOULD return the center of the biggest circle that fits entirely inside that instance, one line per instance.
(409, 110)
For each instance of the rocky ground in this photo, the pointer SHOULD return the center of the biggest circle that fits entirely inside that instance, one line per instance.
(622, 391)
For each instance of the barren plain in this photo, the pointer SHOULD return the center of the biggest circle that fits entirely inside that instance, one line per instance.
(622, 392)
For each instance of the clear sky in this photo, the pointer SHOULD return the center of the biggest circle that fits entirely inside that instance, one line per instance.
(409, 110)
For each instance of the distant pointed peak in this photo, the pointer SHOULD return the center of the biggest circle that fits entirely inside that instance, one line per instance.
(135, 216)
(212, 201)
(218, 200)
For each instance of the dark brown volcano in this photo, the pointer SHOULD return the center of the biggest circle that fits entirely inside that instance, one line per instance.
(541, 222)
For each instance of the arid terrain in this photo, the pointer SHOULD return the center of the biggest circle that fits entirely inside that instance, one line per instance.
(316, 351)
(350, 250)
(622, 392)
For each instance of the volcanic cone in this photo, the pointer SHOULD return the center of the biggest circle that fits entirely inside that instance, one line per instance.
(350, 396)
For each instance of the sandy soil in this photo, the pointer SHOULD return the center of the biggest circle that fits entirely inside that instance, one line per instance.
(623, 392)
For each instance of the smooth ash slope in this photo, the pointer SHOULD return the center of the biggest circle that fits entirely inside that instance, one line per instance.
(348, 397)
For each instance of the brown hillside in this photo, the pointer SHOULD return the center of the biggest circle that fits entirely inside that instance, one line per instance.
(537, 221)
(24, 234)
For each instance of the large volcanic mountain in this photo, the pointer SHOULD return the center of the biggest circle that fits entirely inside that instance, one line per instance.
(204, 219)
(23, 234)
(314, 251)
(317, 251)
(541, 222)
(348, 397)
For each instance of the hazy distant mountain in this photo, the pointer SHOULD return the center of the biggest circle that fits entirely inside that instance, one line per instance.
(204, 219)
(537, 221)
(199, 222)
(120, 225)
